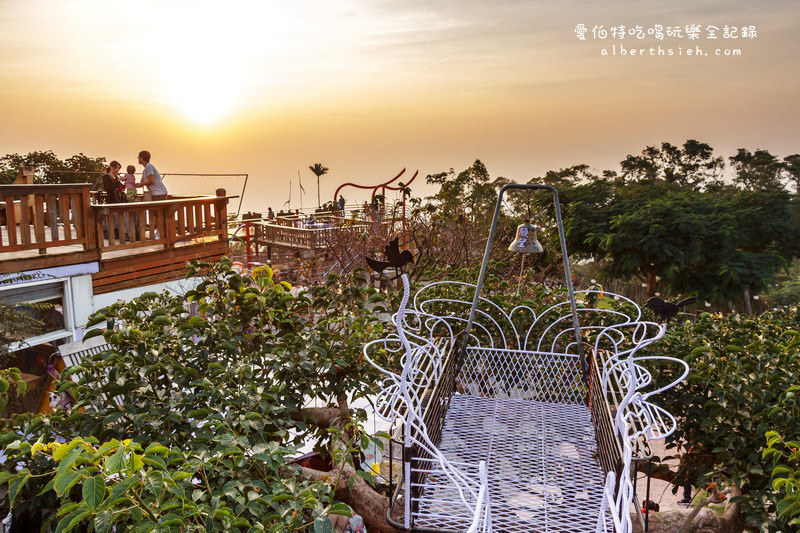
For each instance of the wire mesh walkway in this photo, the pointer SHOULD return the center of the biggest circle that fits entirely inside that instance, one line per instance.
(542, 471)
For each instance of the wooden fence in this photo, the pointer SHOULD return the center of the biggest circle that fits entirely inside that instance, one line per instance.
(60, 222)
(39, 217)
(269, 234)
(164, 222)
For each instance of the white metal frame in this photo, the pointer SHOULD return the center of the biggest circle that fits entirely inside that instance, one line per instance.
(467, 487)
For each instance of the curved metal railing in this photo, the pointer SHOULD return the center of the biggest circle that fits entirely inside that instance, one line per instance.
(426, 331)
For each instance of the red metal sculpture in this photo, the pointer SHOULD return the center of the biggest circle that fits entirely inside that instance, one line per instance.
(383, 187)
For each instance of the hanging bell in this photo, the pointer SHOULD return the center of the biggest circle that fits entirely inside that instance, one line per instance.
(526, 241)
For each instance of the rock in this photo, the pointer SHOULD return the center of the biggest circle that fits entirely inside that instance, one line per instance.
(706, 521)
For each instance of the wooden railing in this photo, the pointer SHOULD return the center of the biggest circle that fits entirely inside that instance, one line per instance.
(42, 217)
(287, 236)
(270, 234)
(164, 222)
(60, 219)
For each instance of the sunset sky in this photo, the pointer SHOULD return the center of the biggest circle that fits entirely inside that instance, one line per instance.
(369, 87)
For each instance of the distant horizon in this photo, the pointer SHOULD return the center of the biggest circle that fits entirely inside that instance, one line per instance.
(255, 201)
(367, 88)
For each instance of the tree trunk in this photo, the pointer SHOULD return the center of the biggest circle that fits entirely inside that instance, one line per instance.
(747, 301)
(732, 520)
(652, 284)
(347, 485)
(364, 500)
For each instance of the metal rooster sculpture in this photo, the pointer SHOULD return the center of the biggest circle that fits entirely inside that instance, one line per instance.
(395, 258)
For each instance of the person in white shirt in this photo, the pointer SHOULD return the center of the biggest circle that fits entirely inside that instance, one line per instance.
(151, 178)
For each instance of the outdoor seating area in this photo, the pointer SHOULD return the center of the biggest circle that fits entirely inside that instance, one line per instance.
(44, 226)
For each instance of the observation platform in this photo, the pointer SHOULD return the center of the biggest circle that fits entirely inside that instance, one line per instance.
(134, 243)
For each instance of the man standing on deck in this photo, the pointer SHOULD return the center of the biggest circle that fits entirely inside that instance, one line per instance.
(151, 178)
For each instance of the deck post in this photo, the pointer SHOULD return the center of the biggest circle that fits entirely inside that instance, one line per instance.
(170, 227)
(89, 226)
(221, 211)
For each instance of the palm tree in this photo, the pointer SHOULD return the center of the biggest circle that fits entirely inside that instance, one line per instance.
(319, 169)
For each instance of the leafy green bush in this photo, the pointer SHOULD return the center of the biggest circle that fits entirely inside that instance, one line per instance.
(784, 456)
(743, 382)
(158, 489)
(787, 291)
(190, 418)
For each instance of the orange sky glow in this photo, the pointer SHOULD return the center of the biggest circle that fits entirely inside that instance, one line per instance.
(369, 87)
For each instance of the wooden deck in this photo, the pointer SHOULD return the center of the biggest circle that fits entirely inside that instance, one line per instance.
(284, 233)
(136, 244)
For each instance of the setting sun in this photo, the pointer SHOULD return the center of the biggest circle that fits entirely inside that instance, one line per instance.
(202, 83)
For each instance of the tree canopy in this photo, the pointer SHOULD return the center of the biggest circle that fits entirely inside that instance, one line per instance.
(670, 220)
(49, 168)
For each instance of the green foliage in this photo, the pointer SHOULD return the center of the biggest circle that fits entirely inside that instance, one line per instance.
(792, 170)
(668, 217)
(692, 164)
(471, 192)
(197, 407)
(450, 228)
(49, 168)
(787, 291)
(786, 294)
(784, 457)
(759, 170)
(121, 484)
(743, 383)
(11, 386)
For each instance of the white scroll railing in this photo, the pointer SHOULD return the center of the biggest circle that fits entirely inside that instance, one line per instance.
(432, 326)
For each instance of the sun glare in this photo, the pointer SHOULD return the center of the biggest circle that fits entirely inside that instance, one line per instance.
(208, 61)
(202, 64)
(202, 95)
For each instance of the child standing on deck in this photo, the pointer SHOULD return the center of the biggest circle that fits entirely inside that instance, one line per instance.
(129, 180)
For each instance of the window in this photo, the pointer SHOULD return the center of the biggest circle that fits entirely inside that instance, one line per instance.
(48, 303)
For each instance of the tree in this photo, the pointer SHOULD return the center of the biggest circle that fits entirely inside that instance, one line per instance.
(48, 168)
(667, 219)
(743, 383)
(471, 192)
(45, 163)
(83, 169)
(319, 170)
(757, 170)
(203, 400)
(792, 167)
(450, 228)
(693, 164)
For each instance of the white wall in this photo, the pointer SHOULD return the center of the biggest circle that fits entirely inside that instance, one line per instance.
(178, 286)
(81, 299)
(85, 302)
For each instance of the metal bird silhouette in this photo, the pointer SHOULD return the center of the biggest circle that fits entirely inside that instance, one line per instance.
(667, 310)
(395, 258)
